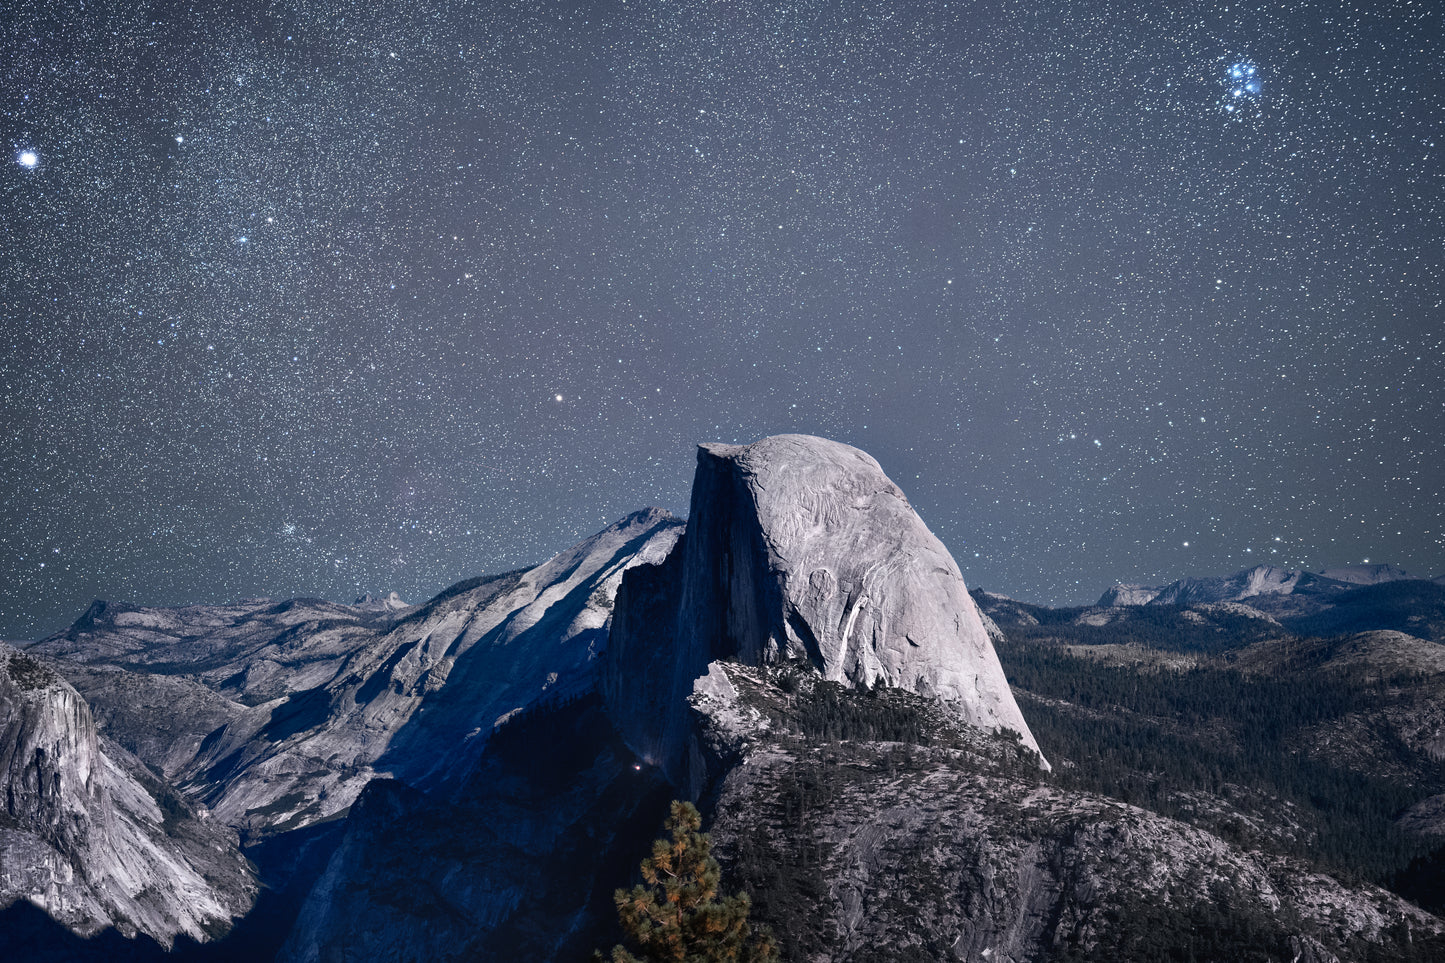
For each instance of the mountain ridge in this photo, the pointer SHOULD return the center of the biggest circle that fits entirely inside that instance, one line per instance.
(471, 776)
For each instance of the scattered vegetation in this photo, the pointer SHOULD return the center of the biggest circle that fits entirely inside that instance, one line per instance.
(819, 712)
(832, 714)
(677, 913)
(1164, 627)
(28, 673)
(1159, 739)
(1215, 927)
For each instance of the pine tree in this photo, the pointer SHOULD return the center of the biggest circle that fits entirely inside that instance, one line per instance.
(678, 916)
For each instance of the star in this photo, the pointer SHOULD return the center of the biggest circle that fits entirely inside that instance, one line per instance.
(600, 253)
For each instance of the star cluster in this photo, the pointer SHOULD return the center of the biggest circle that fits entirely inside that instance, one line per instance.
(319, 299)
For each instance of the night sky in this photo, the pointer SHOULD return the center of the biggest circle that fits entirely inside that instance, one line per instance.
(317, 298)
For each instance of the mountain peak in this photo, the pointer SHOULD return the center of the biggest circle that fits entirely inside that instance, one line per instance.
(390, 602)
(801, 548)
(1365, 574)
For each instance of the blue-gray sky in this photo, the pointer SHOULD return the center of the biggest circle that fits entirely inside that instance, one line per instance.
(321, 298)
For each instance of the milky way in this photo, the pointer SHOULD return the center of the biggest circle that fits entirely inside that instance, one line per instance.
(322, 298)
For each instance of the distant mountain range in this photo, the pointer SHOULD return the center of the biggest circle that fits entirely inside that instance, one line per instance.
(1256, 581)
(1246, 767)
(1336, 600)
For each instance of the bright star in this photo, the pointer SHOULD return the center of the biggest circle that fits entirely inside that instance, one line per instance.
(28, 158)
(1242, 84)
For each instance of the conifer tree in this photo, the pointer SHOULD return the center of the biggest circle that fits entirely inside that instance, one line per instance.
(677, 916)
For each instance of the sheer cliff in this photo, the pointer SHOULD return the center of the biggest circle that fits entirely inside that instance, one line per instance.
(89, 835)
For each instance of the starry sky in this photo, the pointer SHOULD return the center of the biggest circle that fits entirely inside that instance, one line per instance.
(318, 297)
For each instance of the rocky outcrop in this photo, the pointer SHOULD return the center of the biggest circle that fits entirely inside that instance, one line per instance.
(1260, 580)
(388, 603)
(930, 841)
(90, 836)
(50, 758)
(1122, 594)
(473, 654)
(799, 548)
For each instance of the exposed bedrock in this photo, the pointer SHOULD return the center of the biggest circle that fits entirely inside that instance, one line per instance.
(798, 548)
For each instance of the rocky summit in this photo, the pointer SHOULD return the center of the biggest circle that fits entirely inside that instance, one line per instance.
(800, 548)
(1242, 768)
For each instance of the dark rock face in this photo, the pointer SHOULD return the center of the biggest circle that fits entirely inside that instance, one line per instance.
(515, 864)
(799, 548)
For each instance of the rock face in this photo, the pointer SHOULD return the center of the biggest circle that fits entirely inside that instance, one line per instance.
(277, 715)
(1128, 595)
(50, 756)
(799, 548)
(89, 835)
(515, 862)
(921, 839)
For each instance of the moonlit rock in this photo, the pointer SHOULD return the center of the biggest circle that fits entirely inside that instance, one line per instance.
(82, 832)
(799, 548)
(1122, 594)
(1260, 580)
